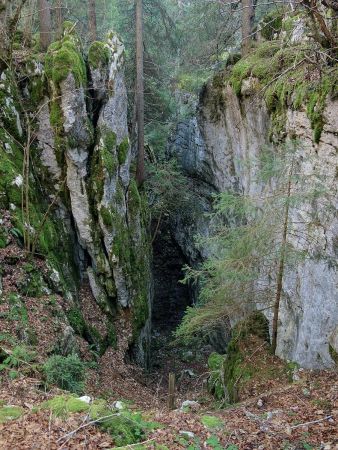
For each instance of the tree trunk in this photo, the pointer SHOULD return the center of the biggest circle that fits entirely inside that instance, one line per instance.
(59, 18)
(4, 37)
(45, 24)
(28, 22)
(92, 21)
(9, 19)
(139, 92)
(281, 266)
(247, 25)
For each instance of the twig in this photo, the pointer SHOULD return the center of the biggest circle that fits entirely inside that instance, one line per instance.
(311, 423)
(134, 445)
(283, 73)
(92, 422)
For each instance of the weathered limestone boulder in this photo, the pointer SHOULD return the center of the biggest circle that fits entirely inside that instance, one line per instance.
(96, 229)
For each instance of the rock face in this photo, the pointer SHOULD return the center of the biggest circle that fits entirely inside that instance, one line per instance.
(82, 165)
(215, 150)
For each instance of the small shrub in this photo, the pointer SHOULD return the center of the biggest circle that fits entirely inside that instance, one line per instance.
(19, 356)
(67, 372)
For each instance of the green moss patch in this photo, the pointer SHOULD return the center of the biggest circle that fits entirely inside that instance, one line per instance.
(98, 55)
(284, 82)
(64, 57)
(32, 283)
(109, 161)
(216, 383)
(230, 373)
(125, 427)
(271, 24)
(212, 422)
(8, 413)
(63, 405)
(122, 150)
(107, 216)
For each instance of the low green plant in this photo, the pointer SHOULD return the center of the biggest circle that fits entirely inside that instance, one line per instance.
(212, 422)
(63, 405)
(10, 413)
(67, 372)
(125, 427)
(16, 358)
(216, 383)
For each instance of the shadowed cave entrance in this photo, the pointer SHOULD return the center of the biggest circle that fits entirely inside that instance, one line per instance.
(171, 297)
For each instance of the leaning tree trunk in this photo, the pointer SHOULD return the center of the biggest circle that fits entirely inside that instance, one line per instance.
(139, 92)
(45, 24)
(92, 20)
(247, 25)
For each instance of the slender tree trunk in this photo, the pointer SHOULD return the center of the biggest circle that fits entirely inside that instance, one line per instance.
(9, 18)
(59, 18)
(28, 22)
(4, 37)
(281, 266)
(45, 24)
(139, 92)
(92, 20)
(247, 23)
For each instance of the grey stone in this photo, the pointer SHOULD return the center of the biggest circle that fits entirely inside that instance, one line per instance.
(215, 149)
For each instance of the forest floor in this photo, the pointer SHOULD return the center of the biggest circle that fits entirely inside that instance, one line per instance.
(280, 414)
(276, 409)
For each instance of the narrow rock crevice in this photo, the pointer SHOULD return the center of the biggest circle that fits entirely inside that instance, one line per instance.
(171, 296)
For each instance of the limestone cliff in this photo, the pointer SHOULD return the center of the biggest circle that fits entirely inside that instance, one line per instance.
(83, 212)
(241, 111)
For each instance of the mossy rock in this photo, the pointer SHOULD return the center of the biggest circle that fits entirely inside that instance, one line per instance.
(65, 57)
(9, 105)
(122, 150)
(271, 24)
(107, 215)
(98, 55)
(216, 383)
(227, 370)
(8, 413)
(63, 405)
(32, 283)
(10, 174)
(109, 160)
(282, 88)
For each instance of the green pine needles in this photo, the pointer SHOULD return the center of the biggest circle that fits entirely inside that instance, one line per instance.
(67, 372)
(259, 237)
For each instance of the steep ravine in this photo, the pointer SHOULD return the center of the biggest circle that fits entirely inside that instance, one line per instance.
(91, 226)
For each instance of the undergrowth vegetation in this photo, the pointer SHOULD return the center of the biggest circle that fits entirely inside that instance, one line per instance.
(254, 236)
(67, 372)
